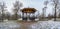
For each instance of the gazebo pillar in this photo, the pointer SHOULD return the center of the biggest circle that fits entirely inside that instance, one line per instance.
(24, 17)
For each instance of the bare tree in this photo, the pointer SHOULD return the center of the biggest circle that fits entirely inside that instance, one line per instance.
(17, 5)
(59, 13)
(7, 15)
(44, 9)
(55, 4)
(3, 8)
(50, 16)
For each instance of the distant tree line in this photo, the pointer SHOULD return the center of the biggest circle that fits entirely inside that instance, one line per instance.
(4, 14)
(56, 9)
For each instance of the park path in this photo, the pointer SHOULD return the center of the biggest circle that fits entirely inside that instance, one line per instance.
(16, 24)
(25, 25)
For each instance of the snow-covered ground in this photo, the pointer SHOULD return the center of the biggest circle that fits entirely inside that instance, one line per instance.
(9, 25)
(45, 25)
(50, 24)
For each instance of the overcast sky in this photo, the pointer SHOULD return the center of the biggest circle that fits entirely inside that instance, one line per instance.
(37, 4)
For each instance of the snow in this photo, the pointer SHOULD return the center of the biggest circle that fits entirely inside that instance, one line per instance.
(9, 25)
(45, 25)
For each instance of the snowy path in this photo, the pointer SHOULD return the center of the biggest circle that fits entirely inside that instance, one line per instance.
(30, 25)
(9, 25)
(45, 25)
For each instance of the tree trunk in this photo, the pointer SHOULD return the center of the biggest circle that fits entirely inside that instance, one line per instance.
(55, 13)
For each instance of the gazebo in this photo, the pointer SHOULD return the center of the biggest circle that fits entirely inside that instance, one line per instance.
(26, 13)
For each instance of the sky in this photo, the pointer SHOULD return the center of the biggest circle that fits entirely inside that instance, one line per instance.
(37, 4)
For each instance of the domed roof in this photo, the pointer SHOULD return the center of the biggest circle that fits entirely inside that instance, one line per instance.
(28, 10)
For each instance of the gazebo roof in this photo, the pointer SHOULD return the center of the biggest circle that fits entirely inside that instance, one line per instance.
(28, 10)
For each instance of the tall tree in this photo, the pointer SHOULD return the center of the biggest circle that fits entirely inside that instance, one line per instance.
(3, 8)
(7, 15)
(50, 16)
(17, 5)
(59, 13)
(55, 4)
(44, 9)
